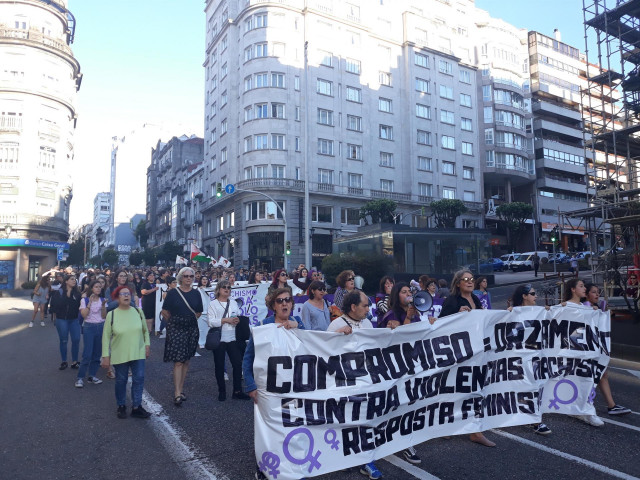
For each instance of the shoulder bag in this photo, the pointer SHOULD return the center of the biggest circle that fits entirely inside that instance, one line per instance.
(215, 333)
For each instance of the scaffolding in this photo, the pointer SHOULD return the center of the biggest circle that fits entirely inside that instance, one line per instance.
(611, 113)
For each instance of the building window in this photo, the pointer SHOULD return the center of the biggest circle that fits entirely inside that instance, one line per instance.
(350, 216)
(277, 80)
(353, 66)
(425, 163)
(449, 193)
(421, 60)
(261, 141)
(354, 94)
(354, 152)
(248, 173)
(262, 110)
(224, 70)
(248, 142)
(223, 155)
(425, 189)
(386, 132)
(466, 124)
(467, 173)
(223, 99)
(448, 168)
(465, 76)
(325, 146)
(326, 58)
(488, 115)
(213, 162)
(386, 185)
(223, 127)
(261, 171)
(384, 78)
(277, 110)
(488, 136)
(386, 159)
(384, 105)
(248, 53)
(297, 144)
(468, 196)
(247, 83)
(261, 80)
(261, 50)
(296, 83)
(297, 115)
(354, 123)
(446, 92)
(467, 148)
(324, 87)
(263, 211)
(486, 93)
(445, 67)
(248, 113)
(325, 117)
(325, 176)
(322, 214)
(277, 171)
(355, 180)
(277, 142)
(448, 142)
(447, 117)
(467, 224)
(213, 137)
(465, 100)
(424, 138)
(423, 111)
(422, 85)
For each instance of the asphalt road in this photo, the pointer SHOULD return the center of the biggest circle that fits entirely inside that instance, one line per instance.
(51, 430)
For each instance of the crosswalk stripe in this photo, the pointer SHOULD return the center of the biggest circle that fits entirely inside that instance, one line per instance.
(411, 469)
(568, 456)
(620, 424)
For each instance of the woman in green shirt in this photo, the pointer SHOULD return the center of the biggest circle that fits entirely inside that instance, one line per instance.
(125, 345)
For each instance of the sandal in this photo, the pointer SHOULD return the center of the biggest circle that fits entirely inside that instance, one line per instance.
(184, 397)
(177, 401)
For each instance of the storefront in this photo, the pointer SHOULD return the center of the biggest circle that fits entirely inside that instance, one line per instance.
(24, 260)
(266, 250)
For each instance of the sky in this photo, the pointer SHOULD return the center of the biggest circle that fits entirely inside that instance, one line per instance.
(142, 63)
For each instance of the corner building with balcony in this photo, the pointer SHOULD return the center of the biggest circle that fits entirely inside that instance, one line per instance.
(39, 79)
(377, 99)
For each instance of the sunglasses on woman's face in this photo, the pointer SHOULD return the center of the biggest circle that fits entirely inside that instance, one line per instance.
(283, 274)
(350, 279)
(283, 300)
(225, 287)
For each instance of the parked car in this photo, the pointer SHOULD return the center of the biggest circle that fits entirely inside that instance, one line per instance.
(524, 261)
(560, 258)
(507, 259)
(498, 265)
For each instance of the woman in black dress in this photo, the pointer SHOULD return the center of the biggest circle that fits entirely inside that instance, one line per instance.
(181, 309)
(148, 291)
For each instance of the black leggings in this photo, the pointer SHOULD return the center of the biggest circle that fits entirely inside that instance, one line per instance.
(234, 350)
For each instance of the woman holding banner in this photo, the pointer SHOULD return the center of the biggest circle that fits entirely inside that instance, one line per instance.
(401, 309)
(461, 300)
(315, 311)
(223, 312)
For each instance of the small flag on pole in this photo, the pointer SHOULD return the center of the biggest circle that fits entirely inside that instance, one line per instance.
(198, 255)
(181, 260)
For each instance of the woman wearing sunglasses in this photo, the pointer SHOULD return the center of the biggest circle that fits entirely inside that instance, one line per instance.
(526, 296)
(223, 312)
(279, 301)
(279, 281)
(315, 311)
(181, 309)
(462, 299)
(346, 283)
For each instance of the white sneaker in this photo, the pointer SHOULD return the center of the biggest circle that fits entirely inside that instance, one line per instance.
(30, 324)
(79, 383)
(592, 420)
(42, 324)
(94, 380)
(226, 377)
(164, 335)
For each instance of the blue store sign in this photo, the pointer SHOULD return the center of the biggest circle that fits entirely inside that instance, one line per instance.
(27, 243)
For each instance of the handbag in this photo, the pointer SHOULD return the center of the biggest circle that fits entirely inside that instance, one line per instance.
(215, 333)
(243, 331)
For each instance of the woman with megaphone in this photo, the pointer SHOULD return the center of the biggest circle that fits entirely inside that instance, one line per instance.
(402, 310)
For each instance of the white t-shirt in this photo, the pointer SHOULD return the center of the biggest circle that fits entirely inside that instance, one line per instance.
(345, 321)
(215, 315)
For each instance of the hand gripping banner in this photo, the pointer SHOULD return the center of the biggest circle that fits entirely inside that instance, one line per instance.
(329, 401)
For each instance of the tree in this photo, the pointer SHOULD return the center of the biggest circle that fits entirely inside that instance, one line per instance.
(141, 233)
(110, 257)
(135, 258)
(515, 214)
(149, 257)
(96, 260)
(380, 211)
(446, 211)
(372, 267)
(76, 252)
(169, 250)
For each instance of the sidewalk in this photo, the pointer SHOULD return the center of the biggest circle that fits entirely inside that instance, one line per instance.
(52, 430)
(517, 278)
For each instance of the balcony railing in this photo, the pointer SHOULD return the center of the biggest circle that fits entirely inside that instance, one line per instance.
(355, 191)
(20, 221)
(390, 195)
(271, 182)
(10, 123)
(506, 166)
(35, 36)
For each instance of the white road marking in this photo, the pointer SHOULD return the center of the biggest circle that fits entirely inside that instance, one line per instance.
(178, 445)
(567, 456)
(10, 331)
(411, 469)
(620, 424)
(635, 373)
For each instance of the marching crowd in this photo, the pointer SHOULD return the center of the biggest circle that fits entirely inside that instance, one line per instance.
(114, 312)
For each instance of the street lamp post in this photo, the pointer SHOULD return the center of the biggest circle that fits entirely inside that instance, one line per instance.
(284, 222)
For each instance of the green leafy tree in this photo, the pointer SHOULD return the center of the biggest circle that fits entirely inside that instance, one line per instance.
(141, 233)
(515, 214)
(135, 258)
(149, 257)
(110, 257)
(96, 260)
(446, 211)
(372, 267)
(169, 250)
(76, 252)
(378, 211)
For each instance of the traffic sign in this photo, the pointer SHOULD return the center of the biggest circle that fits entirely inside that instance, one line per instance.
(230, 188)
(60, 253)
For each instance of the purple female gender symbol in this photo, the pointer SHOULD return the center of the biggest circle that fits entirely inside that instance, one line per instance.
(309, 457)
(592, 395)
(331, 438)
(554, 403)
(269, 464)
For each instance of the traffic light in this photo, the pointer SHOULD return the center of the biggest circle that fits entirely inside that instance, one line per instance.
(554, 235)
(422, 211)
(288, 249)
(218, 190)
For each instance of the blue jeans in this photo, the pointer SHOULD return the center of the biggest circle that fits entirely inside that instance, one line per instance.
(92, 348)
(65, 328)
(137, 382)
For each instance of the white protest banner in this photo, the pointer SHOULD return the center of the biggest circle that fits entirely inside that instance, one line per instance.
(329, 401)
